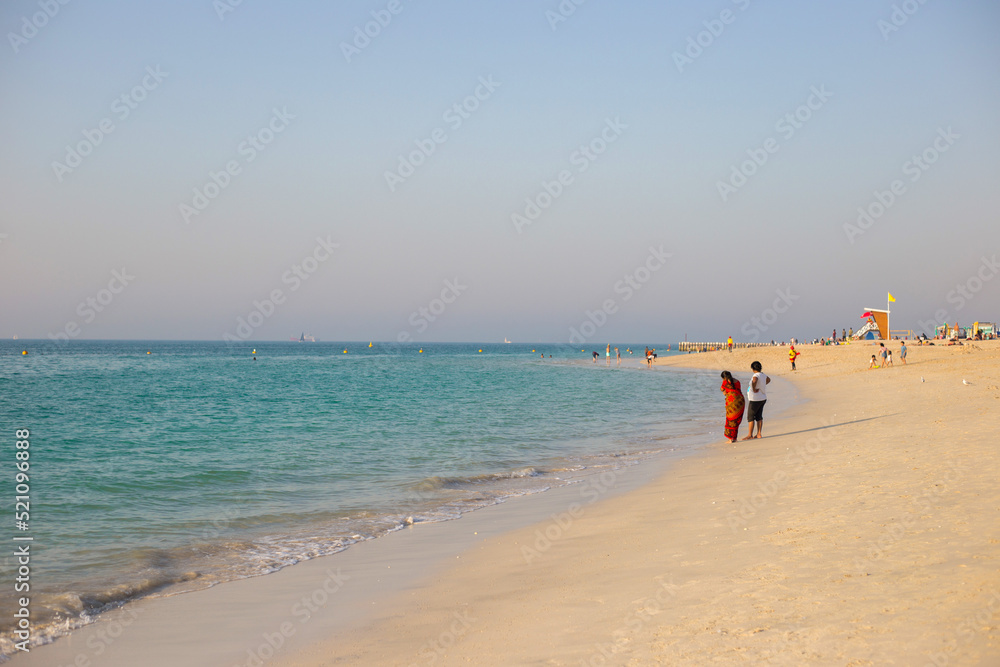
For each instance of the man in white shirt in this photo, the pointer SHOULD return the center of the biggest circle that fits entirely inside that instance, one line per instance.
(756, 398)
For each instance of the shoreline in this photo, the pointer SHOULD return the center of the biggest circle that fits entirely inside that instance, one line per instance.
(841, 537)
(736, 553)
(219, 537)
(172, 617)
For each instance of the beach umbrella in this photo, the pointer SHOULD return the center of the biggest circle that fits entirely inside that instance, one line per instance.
(866, 314)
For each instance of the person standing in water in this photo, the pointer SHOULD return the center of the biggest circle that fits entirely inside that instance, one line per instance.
(618, 357)
(607, 354)
(756, 398)
(734, 405)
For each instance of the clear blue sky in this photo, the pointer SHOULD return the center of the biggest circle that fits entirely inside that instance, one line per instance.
(337, 124)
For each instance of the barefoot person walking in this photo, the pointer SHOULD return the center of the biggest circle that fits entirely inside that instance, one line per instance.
(756, 398)
(734, 405)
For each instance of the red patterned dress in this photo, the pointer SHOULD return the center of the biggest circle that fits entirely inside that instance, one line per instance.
(734, 407)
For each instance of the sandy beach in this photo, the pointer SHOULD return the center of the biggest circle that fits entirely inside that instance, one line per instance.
(863, 529)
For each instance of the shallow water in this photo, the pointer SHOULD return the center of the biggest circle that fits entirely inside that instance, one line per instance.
(195, 464)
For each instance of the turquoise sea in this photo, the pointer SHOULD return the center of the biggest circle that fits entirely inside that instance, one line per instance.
(162, 467)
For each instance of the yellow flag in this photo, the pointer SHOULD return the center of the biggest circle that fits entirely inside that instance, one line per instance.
(891, 297)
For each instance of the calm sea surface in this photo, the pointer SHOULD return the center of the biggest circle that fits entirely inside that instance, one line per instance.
(195, 464)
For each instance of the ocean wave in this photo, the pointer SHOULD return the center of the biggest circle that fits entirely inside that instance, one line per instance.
(462, 482)
(54, 615)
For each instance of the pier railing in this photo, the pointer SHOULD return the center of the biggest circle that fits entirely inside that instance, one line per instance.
(685, 346)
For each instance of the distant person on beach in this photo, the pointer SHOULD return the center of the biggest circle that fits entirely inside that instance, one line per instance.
(843, 334)
(757, 397)
(792, 353)
(902, 352)
(729, 344)
(649, 358)
(595, 357)
(888, 358)
(873, 364)
(882, 353)
(850, 334)
(618, 357)
(734, 405)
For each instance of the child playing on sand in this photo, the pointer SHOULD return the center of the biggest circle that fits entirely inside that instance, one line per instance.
(873, 364)
(888, 358)
(792, 353)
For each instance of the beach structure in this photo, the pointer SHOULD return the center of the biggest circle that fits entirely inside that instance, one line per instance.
(986, 329)
(690, 346)
(877, 326)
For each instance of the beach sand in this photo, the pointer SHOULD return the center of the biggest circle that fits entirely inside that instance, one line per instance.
(863, 529)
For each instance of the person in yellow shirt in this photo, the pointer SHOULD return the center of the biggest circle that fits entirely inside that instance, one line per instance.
(729, 343)
(792, 353)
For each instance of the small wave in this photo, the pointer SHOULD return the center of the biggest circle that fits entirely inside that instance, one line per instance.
(58, 614)
(434, 483)
(207, 476)
(113, 596)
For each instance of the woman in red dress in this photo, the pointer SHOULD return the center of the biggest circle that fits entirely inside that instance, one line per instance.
(734, 405)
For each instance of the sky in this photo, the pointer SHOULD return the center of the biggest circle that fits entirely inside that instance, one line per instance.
(544, 171)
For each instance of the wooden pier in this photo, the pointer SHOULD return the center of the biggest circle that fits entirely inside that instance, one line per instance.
(685, 346)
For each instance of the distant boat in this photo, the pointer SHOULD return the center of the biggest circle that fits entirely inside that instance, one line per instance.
(505, 339)
(307, 338)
